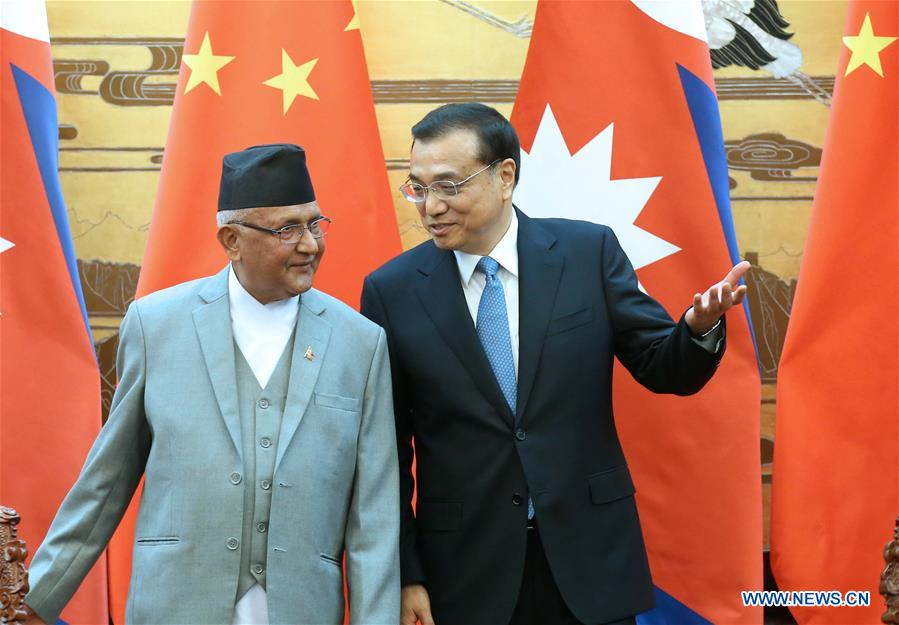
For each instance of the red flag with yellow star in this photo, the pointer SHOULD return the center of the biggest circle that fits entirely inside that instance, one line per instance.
(258, 72)
(835, 493)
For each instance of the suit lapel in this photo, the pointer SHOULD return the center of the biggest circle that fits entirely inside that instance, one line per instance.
(212, 321)
(311, 338)
(441, 296)
(540, 270)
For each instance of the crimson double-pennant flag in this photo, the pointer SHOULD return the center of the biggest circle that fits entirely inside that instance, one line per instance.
(49, 379)
(619, 125)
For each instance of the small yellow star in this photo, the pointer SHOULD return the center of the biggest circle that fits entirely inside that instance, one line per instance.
(293, 80)
(204, 66)
(866, 48)
(354, 23)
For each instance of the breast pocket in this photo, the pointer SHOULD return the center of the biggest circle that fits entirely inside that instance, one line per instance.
(331, 426)
(570, 321)
(349, 404)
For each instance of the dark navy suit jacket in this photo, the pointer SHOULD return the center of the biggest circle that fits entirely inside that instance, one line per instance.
(477, 462)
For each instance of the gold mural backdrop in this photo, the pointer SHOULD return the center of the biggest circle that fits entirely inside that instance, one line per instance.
(116, 65)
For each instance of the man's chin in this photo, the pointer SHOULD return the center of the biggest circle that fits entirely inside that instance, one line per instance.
(296, 287)
(300, 289)
(444, 243)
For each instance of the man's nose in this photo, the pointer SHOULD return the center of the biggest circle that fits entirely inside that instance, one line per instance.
(307, 242)
(433, 205)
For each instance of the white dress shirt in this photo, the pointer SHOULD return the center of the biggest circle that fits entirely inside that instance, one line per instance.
(473, 282)
(261, 332)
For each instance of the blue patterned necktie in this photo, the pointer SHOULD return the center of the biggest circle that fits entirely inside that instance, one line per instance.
(493, 330)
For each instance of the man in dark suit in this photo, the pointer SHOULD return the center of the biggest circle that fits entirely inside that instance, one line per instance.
(502, 333)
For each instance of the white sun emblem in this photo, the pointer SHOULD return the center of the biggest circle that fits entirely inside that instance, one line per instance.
(556, 183)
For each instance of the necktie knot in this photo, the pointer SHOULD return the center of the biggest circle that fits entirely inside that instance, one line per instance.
(488, 266)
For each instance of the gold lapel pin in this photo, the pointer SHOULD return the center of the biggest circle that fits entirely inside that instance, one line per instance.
(309, 355)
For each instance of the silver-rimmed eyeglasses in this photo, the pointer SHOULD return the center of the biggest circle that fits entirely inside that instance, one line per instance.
(292, 233)
(444, 189)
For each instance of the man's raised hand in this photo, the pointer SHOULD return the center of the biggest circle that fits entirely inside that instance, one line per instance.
(717, 300)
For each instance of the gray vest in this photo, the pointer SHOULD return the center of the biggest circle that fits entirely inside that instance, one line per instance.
(261, 411)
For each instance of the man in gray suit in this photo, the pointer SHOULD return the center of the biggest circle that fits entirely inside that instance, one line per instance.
(259, 412)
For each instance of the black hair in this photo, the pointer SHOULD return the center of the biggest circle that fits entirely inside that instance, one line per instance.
(496, 136)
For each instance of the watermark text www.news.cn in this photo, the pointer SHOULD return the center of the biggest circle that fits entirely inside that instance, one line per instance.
(803, 598)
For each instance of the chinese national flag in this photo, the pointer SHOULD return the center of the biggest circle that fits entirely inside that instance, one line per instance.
(267, 72)
(835, 492)
(619, 125)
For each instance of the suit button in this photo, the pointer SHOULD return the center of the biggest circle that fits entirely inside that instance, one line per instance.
(236, 478)
(265, 442)
(261, 527)
(520, 435)
(258, 569)
(263, 403)
(265, 484)
(517, 499)
(233, 543)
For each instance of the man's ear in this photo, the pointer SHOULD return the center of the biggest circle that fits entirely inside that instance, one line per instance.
(507, 176)
(229, 239)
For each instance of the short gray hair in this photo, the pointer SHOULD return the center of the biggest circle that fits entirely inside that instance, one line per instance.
(223, 218)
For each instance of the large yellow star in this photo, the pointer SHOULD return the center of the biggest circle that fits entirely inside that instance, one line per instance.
(204, 66)
(293, 80)
(866, 47)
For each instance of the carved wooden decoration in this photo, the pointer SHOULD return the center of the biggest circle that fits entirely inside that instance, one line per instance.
(13, 574)
(889, 579)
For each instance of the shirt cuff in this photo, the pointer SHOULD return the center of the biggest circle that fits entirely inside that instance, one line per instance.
(710, 341)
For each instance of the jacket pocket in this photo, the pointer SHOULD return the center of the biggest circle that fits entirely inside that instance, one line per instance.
(350, 404)
(611, 485)
(150, 541)
(439, 516)
(571, 321)
(331, 559)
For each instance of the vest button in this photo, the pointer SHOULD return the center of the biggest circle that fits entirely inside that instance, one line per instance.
(258, 569)
(521, 435)
(233, 543)
(265, 442)
(236, 478)
(263, 403)
(261, 527)
(265, 484)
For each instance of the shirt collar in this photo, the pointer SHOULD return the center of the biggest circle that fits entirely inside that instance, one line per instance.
(505, 253)
(245, 306)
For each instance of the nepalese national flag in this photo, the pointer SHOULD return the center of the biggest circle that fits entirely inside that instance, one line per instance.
(619, 125)
(49, 379)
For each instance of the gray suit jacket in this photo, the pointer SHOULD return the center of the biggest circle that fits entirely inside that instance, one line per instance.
(174, 420)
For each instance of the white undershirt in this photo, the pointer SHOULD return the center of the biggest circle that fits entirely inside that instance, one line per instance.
(473, 282)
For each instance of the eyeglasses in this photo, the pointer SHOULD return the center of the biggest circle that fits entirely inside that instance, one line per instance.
(291, 234)
(444, 189)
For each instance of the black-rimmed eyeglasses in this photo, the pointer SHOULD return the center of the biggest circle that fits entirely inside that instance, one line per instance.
(292, 233)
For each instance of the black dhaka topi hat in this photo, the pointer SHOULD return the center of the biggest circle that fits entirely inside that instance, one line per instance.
(265, 175)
